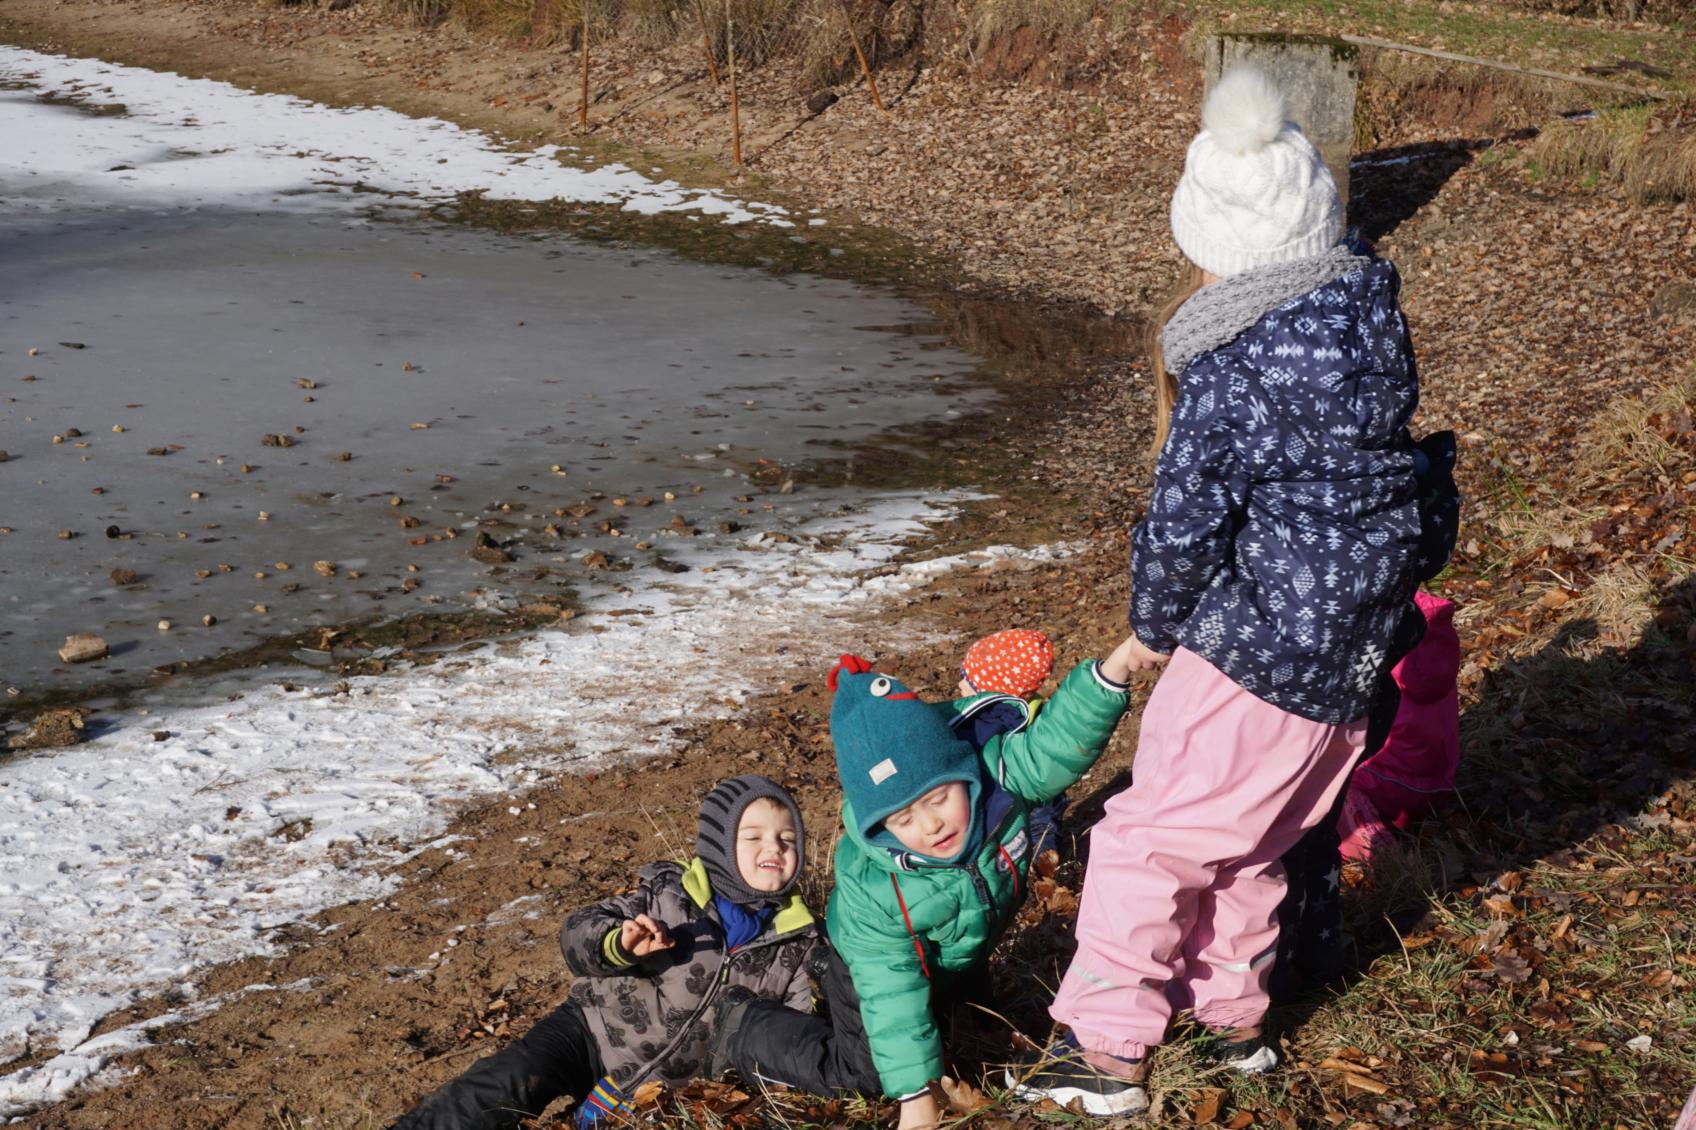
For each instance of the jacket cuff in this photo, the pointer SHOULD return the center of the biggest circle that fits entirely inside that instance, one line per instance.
(1153, 640)
(616, 955)
(1108, 684)
(913, 1077)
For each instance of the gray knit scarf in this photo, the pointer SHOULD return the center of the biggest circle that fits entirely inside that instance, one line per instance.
(1214, 315)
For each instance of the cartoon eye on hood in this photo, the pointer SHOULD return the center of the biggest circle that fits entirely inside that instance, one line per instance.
(878, 686)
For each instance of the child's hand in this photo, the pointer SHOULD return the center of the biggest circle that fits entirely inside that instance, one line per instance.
(642, 936)
(920, 1113)
(1132, 655)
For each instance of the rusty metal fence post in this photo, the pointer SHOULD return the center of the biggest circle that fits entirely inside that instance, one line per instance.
(707, 40)
(583, 98)
(735, 101)
(865, 67)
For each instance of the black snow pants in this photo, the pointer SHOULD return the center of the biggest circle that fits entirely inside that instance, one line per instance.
(824, 1054)
(1311, 943)
(557, 1057)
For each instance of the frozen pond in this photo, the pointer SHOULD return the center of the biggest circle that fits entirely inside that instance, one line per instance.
(231, 348)
(160, 341)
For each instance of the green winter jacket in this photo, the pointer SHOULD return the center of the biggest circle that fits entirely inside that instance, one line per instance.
(956, 911)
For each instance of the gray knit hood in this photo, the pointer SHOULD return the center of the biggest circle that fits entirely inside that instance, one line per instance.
(715, 842)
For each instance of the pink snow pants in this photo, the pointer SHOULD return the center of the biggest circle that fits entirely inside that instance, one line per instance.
(1181, 894)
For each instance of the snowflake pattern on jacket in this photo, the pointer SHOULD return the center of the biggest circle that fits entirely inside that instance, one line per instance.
(1280, 538)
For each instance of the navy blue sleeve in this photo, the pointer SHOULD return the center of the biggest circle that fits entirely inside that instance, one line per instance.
(1200, 488)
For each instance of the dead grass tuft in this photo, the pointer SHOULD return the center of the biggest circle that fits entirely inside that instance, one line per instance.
(1619, 601)
(658, 23)
(820, 37)
(424, 13)
(1650, 151)
(1630, 438)
(1401, 95)
(1067, 20)
(503, 19)
(1626, 435)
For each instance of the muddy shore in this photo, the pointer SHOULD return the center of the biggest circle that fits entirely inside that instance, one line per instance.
(1532, 309)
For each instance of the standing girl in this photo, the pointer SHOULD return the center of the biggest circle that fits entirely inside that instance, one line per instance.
(1273, 570)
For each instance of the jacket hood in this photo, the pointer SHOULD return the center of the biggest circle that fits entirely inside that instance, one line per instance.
(990, 806)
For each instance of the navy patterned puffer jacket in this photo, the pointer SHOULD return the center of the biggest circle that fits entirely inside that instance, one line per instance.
(1280, 539)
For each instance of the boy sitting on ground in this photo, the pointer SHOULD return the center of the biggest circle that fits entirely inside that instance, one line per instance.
(649, 966)
(929, 872)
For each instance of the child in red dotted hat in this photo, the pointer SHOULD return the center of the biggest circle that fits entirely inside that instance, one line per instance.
(1016, 661)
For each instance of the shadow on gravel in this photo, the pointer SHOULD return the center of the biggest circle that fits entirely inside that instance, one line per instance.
(1557, 749)
(1388, 187)
(1570, 745)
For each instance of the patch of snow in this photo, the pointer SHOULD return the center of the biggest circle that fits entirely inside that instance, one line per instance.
(127, 863)
(54, 1080)
(201, 142)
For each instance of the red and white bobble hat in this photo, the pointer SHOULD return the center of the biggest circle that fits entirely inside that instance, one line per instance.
(1015, 661)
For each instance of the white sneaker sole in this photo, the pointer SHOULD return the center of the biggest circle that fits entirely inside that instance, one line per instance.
(1132, 1100)
(1263, 1060)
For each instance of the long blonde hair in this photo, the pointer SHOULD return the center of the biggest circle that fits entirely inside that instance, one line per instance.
(1166, 384)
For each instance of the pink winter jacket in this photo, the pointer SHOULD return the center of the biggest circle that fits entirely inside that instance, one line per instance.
(1414, 773)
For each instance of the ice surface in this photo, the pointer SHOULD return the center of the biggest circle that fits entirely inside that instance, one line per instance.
(200, 247)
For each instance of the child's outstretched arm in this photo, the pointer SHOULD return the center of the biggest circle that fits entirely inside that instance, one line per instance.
(1069, 733)
(1200, 486)
(610, 937)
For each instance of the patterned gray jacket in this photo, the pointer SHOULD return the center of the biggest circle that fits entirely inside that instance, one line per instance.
(652, 1017)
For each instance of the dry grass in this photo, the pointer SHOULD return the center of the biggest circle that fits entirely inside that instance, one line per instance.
(1624, 436)
(659, 23)
(424, 13)
(1397, 88)
(1618, 601)
(1622, 439)
(1650, 151)
(503, 19)
(1065, 19)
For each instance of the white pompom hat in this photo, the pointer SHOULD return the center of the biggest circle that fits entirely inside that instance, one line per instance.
(1254, 190)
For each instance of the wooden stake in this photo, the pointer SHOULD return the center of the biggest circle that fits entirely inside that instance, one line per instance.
(583, 100)
(707, 41)
(865, 68)
(735, 105)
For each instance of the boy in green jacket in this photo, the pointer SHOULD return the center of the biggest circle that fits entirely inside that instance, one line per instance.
(929, 872)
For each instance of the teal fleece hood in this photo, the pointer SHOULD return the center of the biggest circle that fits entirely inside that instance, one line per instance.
(892, 748)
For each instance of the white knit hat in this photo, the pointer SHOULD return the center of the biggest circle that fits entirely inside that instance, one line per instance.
(1254, 190)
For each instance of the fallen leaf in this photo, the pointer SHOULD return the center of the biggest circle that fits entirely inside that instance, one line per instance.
(1512, 968)
(963, 1098)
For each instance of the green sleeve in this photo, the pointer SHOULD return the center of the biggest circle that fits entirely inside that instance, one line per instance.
(1068, 735)
(893, 989)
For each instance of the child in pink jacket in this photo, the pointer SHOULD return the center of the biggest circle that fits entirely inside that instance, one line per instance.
(1414, 774)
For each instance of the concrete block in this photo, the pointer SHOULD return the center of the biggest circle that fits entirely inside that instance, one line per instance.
(1318, 76)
